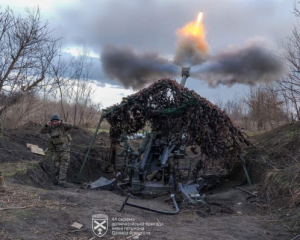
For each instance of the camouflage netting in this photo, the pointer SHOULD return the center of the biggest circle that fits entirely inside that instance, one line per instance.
(177, 111)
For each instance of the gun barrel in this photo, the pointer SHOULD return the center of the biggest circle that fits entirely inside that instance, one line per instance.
(185, 75)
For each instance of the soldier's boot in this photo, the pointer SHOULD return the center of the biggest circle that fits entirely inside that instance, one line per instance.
(2, 184)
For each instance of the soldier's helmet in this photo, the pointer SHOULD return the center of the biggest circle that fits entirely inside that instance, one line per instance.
(55, 117)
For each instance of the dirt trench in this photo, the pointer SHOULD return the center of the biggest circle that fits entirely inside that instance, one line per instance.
(32, 208)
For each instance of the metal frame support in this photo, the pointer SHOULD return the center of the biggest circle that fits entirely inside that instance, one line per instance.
(150, 209)
(88, 152)
(93, 140)
(245, 170)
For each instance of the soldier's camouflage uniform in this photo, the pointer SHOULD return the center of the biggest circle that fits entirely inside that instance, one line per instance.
(60, 145)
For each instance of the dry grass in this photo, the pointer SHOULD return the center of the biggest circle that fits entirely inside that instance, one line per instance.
(34, 109)
(275, 160)
(11, 168)
(282, 186)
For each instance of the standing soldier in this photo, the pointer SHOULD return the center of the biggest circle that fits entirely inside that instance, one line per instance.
(60, 144)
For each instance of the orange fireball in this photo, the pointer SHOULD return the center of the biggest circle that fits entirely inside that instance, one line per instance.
(194, 28)
(196, 31)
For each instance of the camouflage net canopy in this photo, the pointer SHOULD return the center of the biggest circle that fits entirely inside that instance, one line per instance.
(176, 111)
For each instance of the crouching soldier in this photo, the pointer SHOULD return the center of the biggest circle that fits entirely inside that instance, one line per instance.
(60, 145)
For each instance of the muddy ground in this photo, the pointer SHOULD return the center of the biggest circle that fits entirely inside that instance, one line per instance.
(32, 208)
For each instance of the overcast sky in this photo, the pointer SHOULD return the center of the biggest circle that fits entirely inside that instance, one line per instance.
(152, 24)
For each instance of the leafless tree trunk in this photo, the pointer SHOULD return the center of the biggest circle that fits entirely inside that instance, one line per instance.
(26, 50)
(82, 90)
(62, 77)
(266, 107)
(289, 87)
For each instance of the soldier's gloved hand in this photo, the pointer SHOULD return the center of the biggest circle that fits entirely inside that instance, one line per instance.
(49, 124)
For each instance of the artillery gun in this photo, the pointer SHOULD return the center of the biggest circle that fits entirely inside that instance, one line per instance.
(157, 167)
(179, 117)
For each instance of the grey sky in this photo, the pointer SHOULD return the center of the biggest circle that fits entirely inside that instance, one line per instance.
(152, 24)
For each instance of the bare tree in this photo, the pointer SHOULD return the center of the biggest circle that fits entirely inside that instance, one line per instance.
(28, 106)
(30, 62)
(237, 109)
(61, 73)
(26, 50)
(262, 108)
(74, 87)
(289, 86)
(82, 90)
(266, 108)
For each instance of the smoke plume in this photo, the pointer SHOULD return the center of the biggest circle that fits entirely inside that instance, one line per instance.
(253, 63)
(188, 53)
(133, 69)
(191, 45)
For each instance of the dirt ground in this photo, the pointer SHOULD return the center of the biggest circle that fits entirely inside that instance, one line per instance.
(48, 214)
(32, 208)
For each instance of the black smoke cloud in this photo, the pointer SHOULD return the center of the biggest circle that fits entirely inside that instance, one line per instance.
(133, 69)
(254, 63)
